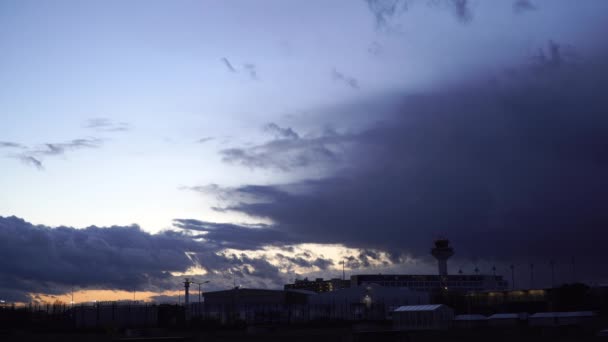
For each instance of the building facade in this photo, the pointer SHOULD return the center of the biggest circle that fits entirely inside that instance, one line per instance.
(318, 285)
(456, 283)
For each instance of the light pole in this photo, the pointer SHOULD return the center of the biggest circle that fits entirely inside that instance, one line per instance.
(513, 276)
(552, 262)
(199, 293)
(531, 276)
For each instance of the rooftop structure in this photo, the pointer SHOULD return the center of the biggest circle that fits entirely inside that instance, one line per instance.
(460, 283)
(422, 317)
(318, 285)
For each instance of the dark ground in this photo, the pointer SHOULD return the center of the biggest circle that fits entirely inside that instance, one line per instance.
(297, 334)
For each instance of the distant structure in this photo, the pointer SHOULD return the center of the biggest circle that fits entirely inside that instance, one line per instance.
(433, 282)
(442, 252)
(318, 285)
(187, 291)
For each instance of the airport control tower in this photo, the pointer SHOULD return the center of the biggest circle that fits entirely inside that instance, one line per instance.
(442, 252)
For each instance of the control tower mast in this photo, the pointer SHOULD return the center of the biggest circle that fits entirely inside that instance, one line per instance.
(442, 252)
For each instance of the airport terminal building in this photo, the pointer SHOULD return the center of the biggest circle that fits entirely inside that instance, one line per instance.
(460, 283)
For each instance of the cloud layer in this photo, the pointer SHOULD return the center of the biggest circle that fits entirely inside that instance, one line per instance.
(510, 169)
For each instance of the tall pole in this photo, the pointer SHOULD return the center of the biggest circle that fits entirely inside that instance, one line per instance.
(531, 275)
(552, 262)
(343, 274)
(513, 276)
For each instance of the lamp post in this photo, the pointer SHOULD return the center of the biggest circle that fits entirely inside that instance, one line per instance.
(552, 263)
(513, 276)
(531, 276)
(199, 293)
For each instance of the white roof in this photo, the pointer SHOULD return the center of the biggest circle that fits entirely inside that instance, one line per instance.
(470, 318)
(430, 307)
(504, 316)
(563, 314)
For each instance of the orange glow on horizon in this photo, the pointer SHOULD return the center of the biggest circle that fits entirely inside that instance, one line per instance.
(88, 296)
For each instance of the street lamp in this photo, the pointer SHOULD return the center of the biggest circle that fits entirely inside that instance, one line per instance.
(199, 292)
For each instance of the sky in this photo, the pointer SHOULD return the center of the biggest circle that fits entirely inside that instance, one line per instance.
(260, 141)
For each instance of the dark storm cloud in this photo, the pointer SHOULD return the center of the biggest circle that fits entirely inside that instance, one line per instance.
(348, 80)
(106, 125)
(512, 169)
(521, 6)
(288, 150)
(242, 237)
(40, 259)
(43, 259)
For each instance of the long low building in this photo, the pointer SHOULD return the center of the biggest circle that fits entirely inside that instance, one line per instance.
(423, 317)
(256, 305)
(461, 282)
(556, 319)
(364, 302)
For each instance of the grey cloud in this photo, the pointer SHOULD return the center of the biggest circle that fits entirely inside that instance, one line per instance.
(242, 237)
(387, 11)
(50, 260)
(34, 157)
(40, 259)
(348, 80)
(252, 70)
(289, 151)
(107, 125)
(9, 144)
(521, 6)
(462, 10)
(511, 170)
(52, 149)
(204, 140)
(375, 49)
(306, 261)
(280, 132)
(228, 64)
(32, 161)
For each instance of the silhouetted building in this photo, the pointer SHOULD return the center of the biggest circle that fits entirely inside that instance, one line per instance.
(369, 302)
(318, 285)
(423, 317)
(458, 283)
(506, 301)
(114, 315)
(256, 305)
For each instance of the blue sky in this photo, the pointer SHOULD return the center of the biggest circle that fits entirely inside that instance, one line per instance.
(183, 104)
(156, 66)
